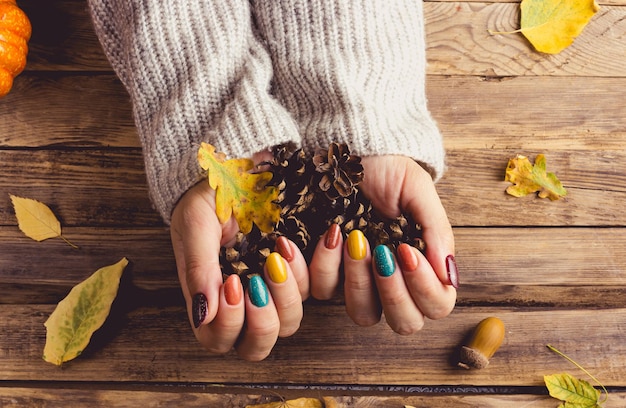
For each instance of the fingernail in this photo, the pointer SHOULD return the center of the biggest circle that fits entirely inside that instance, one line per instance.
(357, 245)
(406, 257)
(233, 290)
(284, 248)
(332, 236)
(199, 308)
(453, 271)
(276, 267)
(258, 291)
(383, 259)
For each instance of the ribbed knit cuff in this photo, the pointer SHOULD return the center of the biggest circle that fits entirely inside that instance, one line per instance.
(354, 71)
(195, 71)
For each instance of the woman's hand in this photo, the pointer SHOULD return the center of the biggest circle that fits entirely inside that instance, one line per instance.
(407, 285)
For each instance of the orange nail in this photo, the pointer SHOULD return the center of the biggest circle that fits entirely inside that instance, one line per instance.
(332, 236)
(233, 291)
(283, 247)
(406, 257)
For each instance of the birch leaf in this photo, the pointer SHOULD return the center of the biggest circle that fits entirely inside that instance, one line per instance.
(574, 393)
(239, 192)
(295, 403)
(36, 220)
(552, 25)
(83, 311)
(528, 179)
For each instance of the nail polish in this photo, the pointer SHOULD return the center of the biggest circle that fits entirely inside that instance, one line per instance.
(357, 245)
(383, 259)
(259, 296)
(453, 271)
(199, 307)
(283, 247)
(276, 267)
(233, 290)
(406, 257)
(332, 236)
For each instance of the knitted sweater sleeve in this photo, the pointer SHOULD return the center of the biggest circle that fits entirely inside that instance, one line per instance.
(354, 71)
(195, 71)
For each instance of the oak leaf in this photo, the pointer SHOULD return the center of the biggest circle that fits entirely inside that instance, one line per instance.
(528, 179)
(552, 25)
(83, 311)
(295, 403)
(573, 392)
(36, 220)
(239, 192)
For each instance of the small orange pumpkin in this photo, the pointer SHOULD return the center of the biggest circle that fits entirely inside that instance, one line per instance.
(15, 31)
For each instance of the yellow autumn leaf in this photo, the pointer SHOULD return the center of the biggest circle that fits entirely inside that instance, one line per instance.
(528, 179)
(295, 403)
(552, 25)
(36, 220)
(575, 393)
(83, 311)
(239, 192)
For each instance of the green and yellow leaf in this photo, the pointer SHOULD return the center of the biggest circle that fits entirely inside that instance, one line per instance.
(83, 311)
(573, 392)
(240, 193)
(552, 25)
(528, 179)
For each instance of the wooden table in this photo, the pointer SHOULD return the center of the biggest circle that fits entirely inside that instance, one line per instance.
(554, 272)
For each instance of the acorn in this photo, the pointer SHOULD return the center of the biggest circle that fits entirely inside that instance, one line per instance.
(485, 341)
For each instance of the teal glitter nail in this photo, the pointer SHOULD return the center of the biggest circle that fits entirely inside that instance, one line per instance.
(258, 291)
(383, 259)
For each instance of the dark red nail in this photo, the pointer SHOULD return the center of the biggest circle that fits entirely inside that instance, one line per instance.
(453, 271)
(199, 307)
(283, 247)
(332, 236)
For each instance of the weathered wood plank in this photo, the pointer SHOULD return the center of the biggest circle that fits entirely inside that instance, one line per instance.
(47, 110)
(156, 345)
(540, 267)
(44, 397)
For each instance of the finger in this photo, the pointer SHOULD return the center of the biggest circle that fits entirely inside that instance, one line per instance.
(324, 269)
(435, 299)
(361, 297)
(262, 325)
(401, 312)
(221, 334)
(293, 256)
(284, 289)
(422, 202)
(196, 235)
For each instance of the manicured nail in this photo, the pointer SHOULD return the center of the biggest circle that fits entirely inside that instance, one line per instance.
(383, 259)
(233, 290)
(406, 257)
(357, 245)
(276, 267)
(199, 307)
(284, 248)
(258, 291)
(453, 271)
(332, 236)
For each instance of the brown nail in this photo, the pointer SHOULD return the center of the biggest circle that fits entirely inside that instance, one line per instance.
(406, 257)
(453, 271)
(283, 247)
(233, 292)
(332, 236)
(199, 308)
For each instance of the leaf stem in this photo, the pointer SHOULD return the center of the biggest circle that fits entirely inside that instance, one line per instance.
(581, 368)
(68, 242)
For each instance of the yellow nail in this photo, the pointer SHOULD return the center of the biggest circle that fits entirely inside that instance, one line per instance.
(357, 245)
(276, 268)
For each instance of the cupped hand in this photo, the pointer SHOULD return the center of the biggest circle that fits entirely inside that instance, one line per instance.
(222, 315)
(407, 286)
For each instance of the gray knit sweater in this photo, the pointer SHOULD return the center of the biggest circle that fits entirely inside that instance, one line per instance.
(246, 75)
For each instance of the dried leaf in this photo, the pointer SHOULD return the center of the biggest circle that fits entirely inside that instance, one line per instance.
(552, 25)
(575, 393)
(36, 220)
(296, 403)
(527, 178)
(240, 192)
(83, 311)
